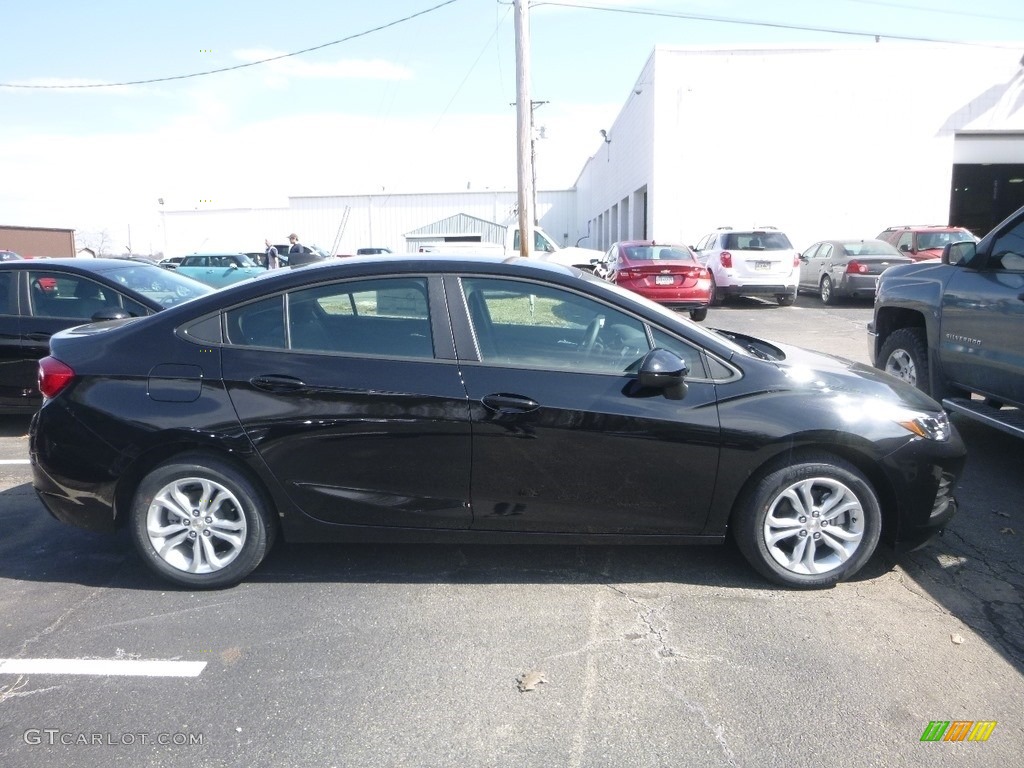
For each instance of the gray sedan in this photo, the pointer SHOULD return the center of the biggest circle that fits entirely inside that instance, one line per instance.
(837, 268)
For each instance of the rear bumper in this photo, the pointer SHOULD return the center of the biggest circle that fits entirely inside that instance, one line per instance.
(754, 289)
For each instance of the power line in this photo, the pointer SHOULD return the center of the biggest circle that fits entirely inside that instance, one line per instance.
(757, 23)
(935, 10)
(236, 66)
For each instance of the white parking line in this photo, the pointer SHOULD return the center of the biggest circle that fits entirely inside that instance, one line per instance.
(116, 667)
(14, 461)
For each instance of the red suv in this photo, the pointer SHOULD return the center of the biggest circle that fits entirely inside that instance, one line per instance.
(924, 242)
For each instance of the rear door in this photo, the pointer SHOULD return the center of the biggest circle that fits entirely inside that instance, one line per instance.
(17, 368)
(562, 439)
(351, 394)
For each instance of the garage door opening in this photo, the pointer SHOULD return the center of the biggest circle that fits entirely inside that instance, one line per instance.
(984, 195)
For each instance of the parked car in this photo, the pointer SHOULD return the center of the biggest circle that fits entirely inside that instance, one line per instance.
(219, 269)
(667, 274)
(9, 256)
(39, 298)
(922, 243)
(750, 262)
(369, 251)
(426, 399)
(846, 268)
(308, 255)
(953, 327)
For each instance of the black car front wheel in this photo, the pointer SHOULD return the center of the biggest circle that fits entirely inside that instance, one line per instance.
(809, 524)
(699, 315)
(200, 522)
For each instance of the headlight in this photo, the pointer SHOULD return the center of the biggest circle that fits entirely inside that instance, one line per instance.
(927, 425)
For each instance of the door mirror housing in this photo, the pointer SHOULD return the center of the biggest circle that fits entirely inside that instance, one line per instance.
(959, 253)
(665, 371)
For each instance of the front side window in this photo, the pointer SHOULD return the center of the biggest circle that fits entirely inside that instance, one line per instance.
(532, 325)
(1008, 249)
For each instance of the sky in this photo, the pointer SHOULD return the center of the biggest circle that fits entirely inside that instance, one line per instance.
(359, 97)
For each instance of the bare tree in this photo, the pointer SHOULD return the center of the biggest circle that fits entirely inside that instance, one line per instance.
(98, 240)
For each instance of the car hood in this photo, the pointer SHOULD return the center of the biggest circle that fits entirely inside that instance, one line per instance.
(819, 372)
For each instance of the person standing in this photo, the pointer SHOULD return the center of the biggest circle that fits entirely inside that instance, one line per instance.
(295, 247)
(272, 262)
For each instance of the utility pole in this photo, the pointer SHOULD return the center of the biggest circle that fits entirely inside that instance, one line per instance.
(524, 128)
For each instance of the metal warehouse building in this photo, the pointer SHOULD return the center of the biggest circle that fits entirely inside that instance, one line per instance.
(819, 141)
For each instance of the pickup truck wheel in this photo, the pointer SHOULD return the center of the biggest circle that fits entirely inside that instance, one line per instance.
(828, 295)
(809, 524)
(905, 356)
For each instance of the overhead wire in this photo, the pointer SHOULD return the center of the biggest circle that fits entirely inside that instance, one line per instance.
(68, 86)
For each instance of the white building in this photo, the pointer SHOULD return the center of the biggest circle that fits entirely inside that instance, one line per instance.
(822, 142)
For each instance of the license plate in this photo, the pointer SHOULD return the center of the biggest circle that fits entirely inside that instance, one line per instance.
(762, 266)
(663, 280)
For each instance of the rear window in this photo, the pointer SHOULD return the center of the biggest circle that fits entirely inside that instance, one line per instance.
(757, 241)
(657, 253)
(869, 248)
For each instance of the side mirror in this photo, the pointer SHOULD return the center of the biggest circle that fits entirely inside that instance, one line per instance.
(905, 248)
(665, 371)
(959, 253)
(234, 265)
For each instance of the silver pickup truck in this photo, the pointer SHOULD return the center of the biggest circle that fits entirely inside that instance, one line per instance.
(955, 327)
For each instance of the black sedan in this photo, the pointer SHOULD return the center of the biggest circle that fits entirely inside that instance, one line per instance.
(426, 399)
(41, 296)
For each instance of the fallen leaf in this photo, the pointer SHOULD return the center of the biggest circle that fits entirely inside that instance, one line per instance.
(1010, 531)
(1001, 514)
(530, 681)
(958, 639)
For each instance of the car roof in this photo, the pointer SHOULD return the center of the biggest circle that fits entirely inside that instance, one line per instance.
(72, 263)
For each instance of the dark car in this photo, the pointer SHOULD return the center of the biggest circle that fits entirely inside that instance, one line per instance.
(667, 274)
(846, 268)
(40, 297)
(476, 399)
(923, 243)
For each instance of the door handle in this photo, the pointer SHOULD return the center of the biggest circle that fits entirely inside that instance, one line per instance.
(509, 404)
(278, 384)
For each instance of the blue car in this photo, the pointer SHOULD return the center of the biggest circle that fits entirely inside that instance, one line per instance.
(219, 269)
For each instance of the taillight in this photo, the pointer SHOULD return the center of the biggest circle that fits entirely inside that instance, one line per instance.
(854, 267)
(53, 376)
(726, 259)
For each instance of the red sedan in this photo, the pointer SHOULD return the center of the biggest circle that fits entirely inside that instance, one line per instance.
(667, 274)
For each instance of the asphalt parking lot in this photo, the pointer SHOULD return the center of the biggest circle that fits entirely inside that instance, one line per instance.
(390, 655)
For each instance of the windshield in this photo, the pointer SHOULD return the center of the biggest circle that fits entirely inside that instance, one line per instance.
(164, 286)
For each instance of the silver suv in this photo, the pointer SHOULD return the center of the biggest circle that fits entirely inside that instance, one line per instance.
(750, 262)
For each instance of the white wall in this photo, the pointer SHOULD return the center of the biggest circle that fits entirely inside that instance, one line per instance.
(820, 142)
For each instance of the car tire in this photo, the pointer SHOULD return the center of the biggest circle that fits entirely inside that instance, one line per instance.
(716, 299)
(786, 299)
(202, 499)
(787, 526)
(699, 315)
(905, 356)
(828, 293)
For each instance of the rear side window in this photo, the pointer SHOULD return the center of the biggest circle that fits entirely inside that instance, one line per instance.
(7, 302)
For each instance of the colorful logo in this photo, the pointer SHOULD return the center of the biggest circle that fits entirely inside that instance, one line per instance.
(958, 730)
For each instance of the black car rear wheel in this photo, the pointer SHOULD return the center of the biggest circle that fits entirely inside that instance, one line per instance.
(201, 522)
(809, 524)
